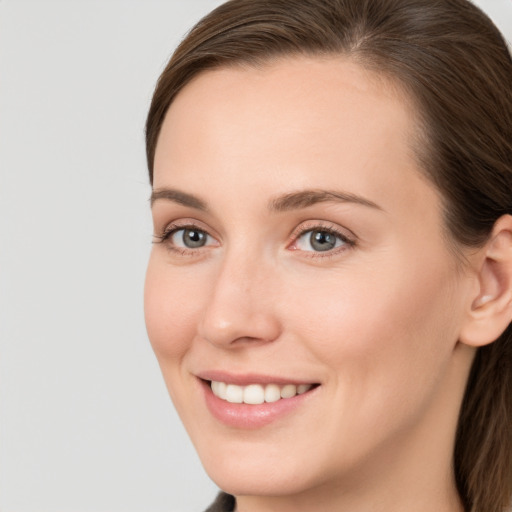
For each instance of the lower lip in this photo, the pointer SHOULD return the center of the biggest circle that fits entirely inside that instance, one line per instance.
(248, 416)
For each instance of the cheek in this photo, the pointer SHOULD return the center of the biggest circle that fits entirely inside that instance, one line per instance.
(388, 334)
(171, 306)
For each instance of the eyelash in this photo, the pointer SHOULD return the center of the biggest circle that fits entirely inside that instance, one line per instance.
(297, 234)
(171, 229)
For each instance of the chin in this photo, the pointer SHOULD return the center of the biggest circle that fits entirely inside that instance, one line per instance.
(249, 480)
(260, 471)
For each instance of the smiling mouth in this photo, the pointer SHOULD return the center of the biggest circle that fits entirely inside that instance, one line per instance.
(256, 394)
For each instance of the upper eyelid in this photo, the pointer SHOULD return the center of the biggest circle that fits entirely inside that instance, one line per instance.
(319, 225)
(176, 225)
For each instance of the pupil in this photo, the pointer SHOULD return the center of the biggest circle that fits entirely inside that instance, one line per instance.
(322, 240)
(193, 238)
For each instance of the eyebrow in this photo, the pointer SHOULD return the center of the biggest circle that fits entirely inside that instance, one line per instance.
(179, 197)
(306, 198)
(286, 202)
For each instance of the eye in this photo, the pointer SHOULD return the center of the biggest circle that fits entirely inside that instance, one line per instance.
(184, 238)
(189, 238)
(321, 239)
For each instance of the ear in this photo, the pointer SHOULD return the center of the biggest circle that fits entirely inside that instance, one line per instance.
(490, 309)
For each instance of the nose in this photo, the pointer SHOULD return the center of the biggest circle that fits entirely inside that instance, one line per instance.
(242, 307)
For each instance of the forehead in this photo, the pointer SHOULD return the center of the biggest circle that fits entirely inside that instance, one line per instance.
(295, 84)
(287, 113)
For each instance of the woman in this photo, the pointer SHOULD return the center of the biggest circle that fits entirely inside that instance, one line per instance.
(330, 292)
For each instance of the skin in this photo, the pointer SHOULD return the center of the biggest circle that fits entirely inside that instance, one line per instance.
(375, 321)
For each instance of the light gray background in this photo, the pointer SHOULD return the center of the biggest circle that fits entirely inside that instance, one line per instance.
(85, 421)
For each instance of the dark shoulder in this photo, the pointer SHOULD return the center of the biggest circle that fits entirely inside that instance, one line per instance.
(223, 503)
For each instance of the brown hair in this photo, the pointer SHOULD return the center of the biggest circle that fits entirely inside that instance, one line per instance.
(457, 68)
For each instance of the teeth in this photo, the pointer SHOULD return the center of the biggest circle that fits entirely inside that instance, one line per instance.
(255, 393)
(272, 393)
(302, 388)
(219, 389)
(234, 394)
(288, 391)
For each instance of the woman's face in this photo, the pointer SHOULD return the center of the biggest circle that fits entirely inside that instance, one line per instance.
(299, 249)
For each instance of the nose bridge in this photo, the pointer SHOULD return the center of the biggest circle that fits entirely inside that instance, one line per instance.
(241, 306)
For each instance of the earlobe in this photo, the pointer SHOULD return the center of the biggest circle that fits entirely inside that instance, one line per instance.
(491, 310)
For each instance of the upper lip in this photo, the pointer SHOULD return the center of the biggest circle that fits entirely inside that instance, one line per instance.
(249, 378)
